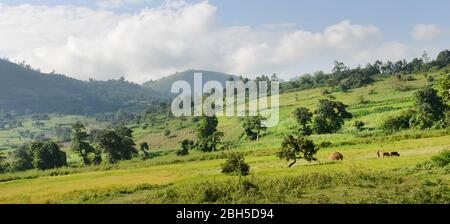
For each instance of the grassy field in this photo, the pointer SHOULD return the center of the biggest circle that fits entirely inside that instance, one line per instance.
(361, 178)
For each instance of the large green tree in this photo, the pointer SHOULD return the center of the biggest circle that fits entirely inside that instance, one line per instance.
(443, 87)
(117, 144)
(294, 148)
(429, 109)
(443, 59)
(329, 116)
(253, 127)
(47, 155)
(80, 143)
(207, 135)
(303, 116)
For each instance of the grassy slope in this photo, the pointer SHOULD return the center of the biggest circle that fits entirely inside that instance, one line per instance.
(171, 179)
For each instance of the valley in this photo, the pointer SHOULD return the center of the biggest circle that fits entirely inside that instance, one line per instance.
(164, 177)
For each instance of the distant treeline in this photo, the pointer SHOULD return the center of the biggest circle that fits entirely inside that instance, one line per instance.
(344, 78)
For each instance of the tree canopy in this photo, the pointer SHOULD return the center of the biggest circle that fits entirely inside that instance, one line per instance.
(429, 109)
(329, 116)
(207, 135)
(117, 144)
(253, 127)
(236, 164)
(303, 116)
(80, 143)
(294, 148)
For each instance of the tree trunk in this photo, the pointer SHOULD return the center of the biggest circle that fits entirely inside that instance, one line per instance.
(295, 161)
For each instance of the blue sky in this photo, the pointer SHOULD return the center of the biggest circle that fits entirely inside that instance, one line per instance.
(395, 18)
(360, 31)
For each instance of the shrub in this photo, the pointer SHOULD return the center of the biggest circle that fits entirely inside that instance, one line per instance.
(363, 100)
(145, 126)
(409, 78)
(443, 159)
(359, 125)
(236, 164)
(215, 193)
(325, 92)
(325, 144)
(166, 133)
(3, 165)
(398, 123)
(186, 146)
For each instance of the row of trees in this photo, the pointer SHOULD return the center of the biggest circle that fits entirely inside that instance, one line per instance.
(37, 155)
(114, 145)
(343, 77)
(328, 118)
(117, 144)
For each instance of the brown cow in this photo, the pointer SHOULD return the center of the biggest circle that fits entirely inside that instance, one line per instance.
(384, 154)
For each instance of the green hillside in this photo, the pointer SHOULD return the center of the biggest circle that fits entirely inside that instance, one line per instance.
(361, 178)
(23, 89)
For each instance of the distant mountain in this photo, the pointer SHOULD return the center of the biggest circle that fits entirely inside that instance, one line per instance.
(164, 85)
(24, 89)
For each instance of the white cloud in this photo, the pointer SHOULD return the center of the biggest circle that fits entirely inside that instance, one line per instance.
(115, 3)
(274, 26)
(392, 51)
(87, 43)
(426, 32)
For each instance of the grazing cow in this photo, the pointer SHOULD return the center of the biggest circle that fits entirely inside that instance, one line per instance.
(336, 156)
(395, 154)
(384, 154)
(388, 154)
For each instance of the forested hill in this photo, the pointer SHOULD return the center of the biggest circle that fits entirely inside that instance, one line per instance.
(164, 85)
(24, 89)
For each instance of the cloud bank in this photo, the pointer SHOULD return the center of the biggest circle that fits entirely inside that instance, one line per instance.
(97, 43)
(115, 3)
(427, 32)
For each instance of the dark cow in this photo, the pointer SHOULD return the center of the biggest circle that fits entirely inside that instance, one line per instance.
(396, 154)
(388, 154)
